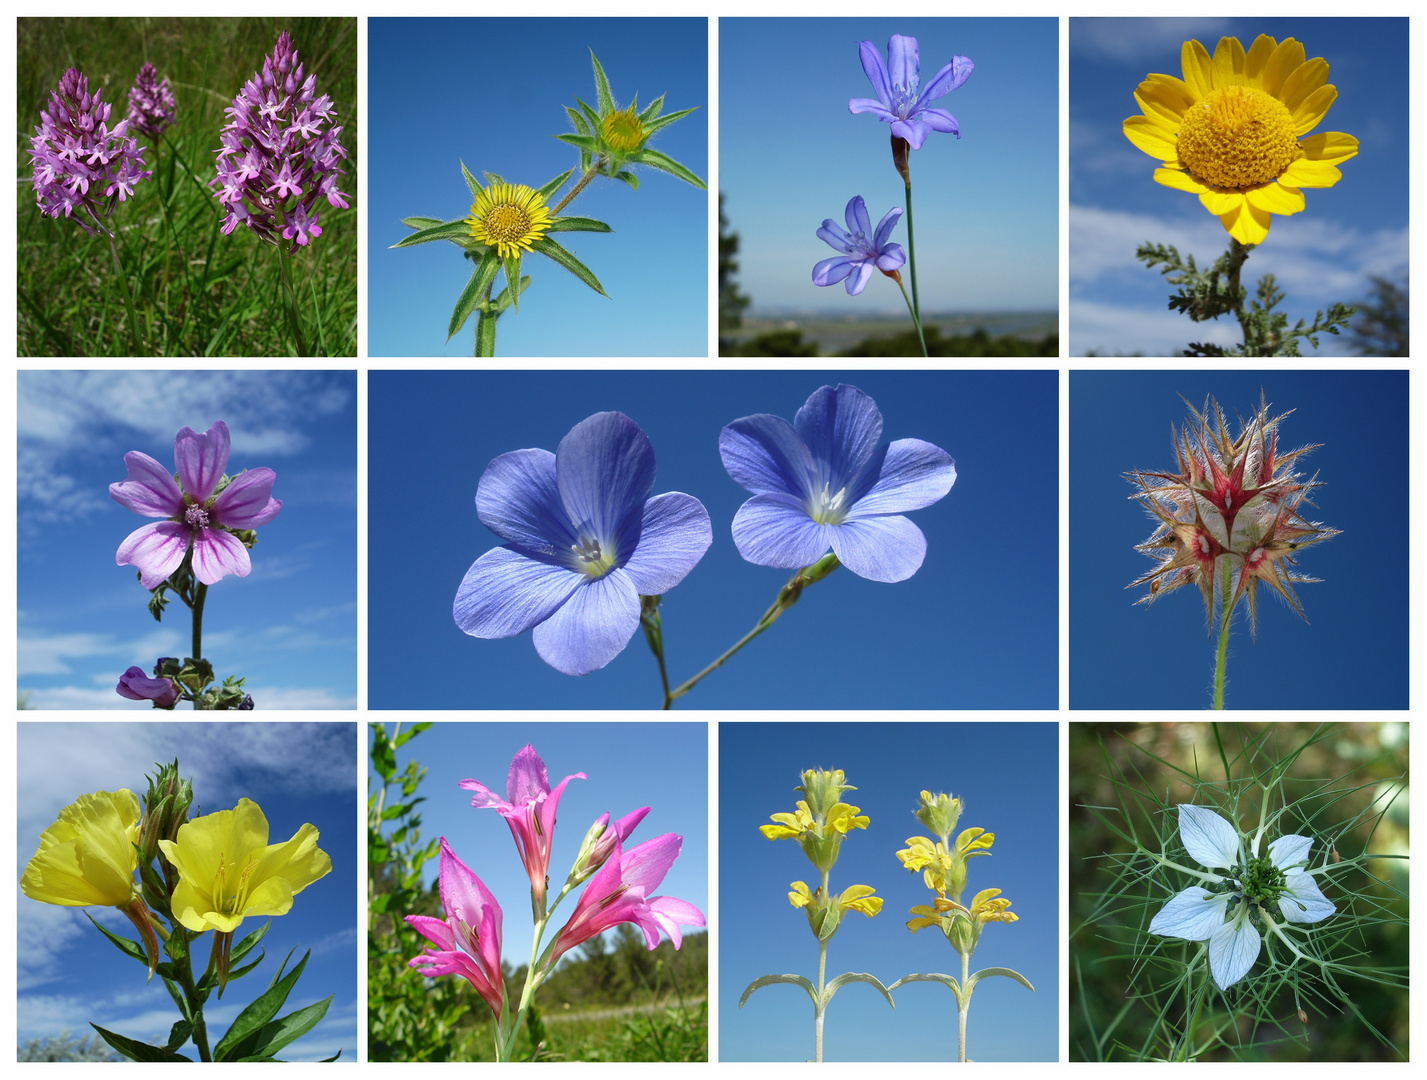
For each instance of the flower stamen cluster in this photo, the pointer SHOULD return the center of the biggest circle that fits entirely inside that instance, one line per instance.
(280, 156)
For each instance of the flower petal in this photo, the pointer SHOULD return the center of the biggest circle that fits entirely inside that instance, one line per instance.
(885, 227)
(1302, 82)
(1275, 198)
(1198, 69)
(876, 69)
(505, 593)
(891, 257)
(155, 550)
(149, 489)
(646, 864)
(670, 913)
(1228, 63)
(914, 474)
(675, 534)
(764, 454)
(842, 428)
(1256, 62)
(518, 499)
(946, 80)
(867, 105)
(1248, 224)
(1330, 146)
(1192, 914)
(775, 530)
(605, 471)
(1304, 901)
(1210, 839)
(913, 130)
(1233, 948)
(1290, 852)
(904, 65)
(1151, 137)
(881, 548)
(831, 271)
(592, 627)
(835, 237)
(861, 273)
(464, 895)
(201, 459)
(527, 779)
(1164, 99)
(1282, 62)
(247, 501)
(1313, 108)
(216, 554)
(1180, 181)
(858, 223)
(940, 120)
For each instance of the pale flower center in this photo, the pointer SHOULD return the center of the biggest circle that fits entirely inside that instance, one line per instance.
(1237, 137)
(590, 560)
(828, 509)
(196, 517)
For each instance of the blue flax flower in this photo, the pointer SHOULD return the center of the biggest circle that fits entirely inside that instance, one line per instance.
(826, 480)
(900, 102)
(860, 251)
(584, 541)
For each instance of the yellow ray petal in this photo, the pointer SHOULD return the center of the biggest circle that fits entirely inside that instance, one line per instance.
(1286, 57)
(1151, 137)
(1198, 68)
(1228, 63)
(1314, 107)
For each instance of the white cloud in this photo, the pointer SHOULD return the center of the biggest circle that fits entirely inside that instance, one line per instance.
(53, 655)
(301, 697)
(1111, 330)
(1132, 40)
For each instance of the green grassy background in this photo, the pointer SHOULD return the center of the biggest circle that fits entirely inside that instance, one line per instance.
(196, 291)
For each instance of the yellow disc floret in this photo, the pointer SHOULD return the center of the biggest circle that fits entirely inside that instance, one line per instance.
(623, 130)
(509, 218)
(1237, 137)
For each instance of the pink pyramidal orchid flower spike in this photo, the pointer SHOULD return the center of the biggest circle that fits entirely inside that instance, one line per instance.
(619, 893)
(468, 940)
(529, 809)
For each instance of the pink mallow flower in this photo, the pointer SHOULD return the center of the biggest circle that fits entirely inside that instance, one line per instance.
(468, 940)
(529, 809)
(200, 508)
(619, 893)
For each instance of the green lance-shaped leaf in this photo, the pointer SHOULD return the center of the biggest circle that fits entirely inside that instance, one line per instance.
(178, 1035)
(629, 178)
(590, 115)
(503, 301)
(485, 334)
(135, 1050)
(577, 224)
(410, 733)
(664, 121)
(655, 160)
(512, 273)
(494, 178)
(581, 128)
(443, 230)
(472, 294)
(855, 976)
(421, 222)
(651, 110)
(471, 181)
(124, 945)
(985, 973)
(602, 91)
(552, 250)
(769, 980)
(278, 1034)
(254, 1018)
(586, 143)
(946, 980)
(555, 185)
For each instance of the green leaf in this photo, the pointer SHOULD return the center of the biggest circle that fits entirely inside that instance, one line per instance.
(629, 178)
(421, 222)
(577, 224)
(256, 1016)
(124, 945)
(602, 92)
(474, 292)
(446, 230)
(180, 999)
(287, 1029)
(485, 335)
(655, 160)
(494, 178)
(503, 300)
(135, 1050)
(410, 733)
(581, 127)
(590, 115)
(652, 110)
(555, 185)
(769, 980)
(553, 251)
(586, 143)
(178, 1035)
(665, 121)
(471, 181)
(245, 946)
(334, 1057)
(985, 973)
(855, 976)
(512, 273)
(946, 980)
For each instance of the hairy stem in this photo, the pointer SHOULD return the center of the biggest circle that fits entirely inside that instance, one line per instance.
(1225, 610)
(590, 174)
(963, 1007)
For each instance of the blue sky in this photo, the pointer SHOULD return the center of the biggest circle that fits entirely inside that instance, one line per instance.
(1351, 654)
(492, 92)
(791, 155)
(1324, 254)
(974, 628)
(1007, 777)
(289, 627)
(68, 975)
(663, 766)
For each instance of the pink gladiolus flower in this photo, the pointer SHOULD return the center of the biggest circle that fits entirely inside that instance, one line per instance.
(468, 940)
(197, 518)
(619, 894)
(529, 810)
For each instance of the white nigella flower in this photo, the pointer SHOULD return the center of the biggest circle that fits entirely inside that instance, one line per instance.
(1223, 913)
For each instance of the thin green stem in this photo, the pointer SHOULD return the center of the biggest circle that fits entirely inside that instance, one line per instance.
(1225, 610)
(1238, 255)
(654, 634)
(191, 994)
(294, 321)
(963, 1007)
(820, 1011)
(917, 322)
(590, 174)
(912, 250)
(128, 299)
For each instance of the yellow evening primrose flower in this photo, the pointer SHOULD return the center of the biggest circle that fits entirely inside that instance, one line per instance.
(228, 870)
(509, 218)
(1234, 130)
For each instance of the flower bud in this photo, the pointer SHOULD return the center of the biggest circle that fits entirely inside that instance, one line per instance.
(939, 814)
(823, 789)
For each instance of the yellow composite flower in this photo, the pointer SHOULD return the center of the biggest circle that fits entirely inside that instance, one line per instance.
(624, 130)
(1234, 130)
(509, 218)
(88, 856)
(228, 870)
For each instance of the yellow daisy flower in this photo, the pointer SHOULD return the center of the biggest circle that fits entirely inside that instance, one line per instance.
(624, 130)
(509, 218)
(1234, 130)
